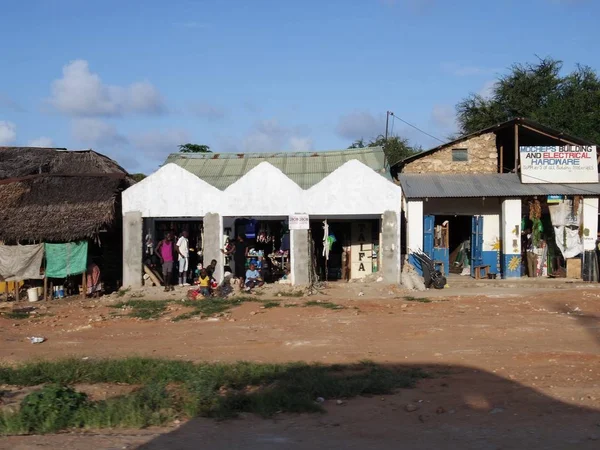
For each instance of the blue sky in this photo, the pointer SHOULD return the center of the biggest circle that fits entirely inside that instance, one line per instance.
(133, 79)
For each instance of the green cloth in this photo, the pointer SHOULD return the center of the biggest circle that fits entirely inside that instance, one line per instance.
(63, 260)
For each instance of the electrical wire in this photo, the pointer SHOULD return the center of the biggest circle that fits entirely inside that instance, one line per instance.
(417, 128)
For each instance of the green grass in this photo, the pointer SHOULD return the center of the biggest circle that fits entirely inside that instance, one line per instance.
(171, 389)
(123, 292)
(144, 309)
(326, 305)
(271, 304)
(409, 298)
(291, 305)
(16, 315)
(291, 294)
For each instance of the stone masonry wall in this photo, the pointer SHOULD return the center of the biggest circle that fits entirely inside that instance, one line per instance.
(483, 158)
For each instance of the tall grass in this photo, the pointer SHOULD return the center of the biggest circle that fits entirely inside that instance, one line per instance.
(183, 389)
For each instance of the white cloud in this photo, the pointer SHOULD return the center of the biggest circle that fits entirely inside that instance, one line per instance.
(207, 111)
(487, 90)
(443, 116)
(8, 132)
(81, 93)
(300, 144)
(42, 141)
(270, 135)
(158, 144)
(461, 70)
(96, 132)
(360, 125)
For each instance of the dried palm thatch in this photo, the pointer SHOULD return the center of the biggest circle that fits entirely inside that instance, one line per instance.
(57, 196)
(18, 162)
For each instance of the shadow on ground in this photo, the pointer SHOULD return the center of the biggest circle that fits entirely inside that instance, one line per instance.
(457, 408)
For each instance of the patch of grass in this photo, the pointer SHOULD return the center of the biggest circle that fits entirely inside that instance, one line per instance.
(16, 315)
(211, 306)
(326, 305)
(210, 390)
(291, 293)
(268, 305)
(409, 298)
(291, 305)
(144, 309)
(123, 292)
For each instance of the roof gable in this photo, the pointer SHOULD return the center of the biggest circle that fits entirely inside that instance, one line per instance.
(304, 168)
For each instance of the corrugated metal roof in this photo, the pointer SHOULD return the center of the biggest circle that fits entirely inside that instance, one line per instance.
(484, 185)
(304, 168)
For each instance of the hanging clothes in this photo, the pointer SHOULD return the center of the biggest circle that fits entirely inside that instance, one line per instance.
(63, 260)
(21, 262)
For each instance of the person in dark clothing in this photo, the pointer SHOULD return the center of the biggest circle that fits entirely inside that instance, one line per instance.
(239, 258)
(210, 269)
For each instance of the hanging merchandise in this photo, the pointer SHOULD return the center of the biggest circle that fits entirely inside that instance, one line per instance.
(566, 220)
(21, 262)
(63, 260)
(325, 240)
(250, 229)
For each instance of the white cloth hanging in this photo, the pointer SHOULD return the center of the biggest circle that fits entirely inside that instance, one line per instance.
(326, 240)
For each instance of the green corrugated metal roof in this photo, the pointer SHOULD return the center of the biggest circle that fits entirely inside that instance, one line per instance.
(304, 168)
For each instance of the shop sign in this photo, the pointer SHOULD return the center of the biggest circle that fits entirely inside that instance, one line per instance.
(554, 164)
(554, 199)
(299, 222)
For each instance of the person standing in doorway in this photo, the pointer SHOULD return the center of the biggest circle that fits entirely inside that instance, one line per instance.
(240, 252)
(166, 253)
(183, 253)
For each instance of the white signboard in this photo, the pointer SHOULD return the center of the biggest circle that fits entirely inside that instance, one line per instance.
(568, 164)
(299, 222)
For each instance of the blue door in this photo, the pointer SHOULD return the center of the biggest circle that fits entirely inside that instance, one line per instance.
(476, 243)
(428, 225)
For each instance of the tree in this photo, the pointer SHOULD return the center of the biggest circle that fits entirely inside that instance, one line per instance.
(194, 148)
(395, 148)
(137, 177)
(570, 103)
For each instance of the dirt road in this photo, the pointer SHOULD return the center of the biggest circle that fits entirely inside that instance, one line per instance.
(511, 370)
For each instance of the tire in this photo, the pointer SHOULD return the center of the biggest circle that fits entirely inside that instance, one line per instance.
(439, 282)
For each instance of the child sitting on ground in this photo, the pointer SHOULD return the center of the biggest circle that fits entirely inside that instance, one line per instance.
(204, 282)
(253, 278)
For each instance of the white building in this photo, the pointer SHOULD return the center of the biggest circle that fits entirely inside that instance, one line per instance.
(218, 195)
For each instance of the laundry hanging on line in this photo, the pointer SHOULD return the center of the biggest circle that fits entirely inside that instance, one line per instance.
(21, 262)
(63, 260)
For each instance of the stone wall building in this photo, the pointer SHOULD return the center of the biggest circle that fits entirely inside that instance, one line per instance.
(477, 195)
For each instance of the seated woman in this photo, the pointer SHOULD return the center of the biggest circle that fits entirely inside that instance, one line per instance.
(253, 278)
(94, 287)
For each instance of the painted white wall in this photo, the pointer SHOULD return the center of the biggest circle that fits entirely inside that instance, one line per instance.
(351, 189)
(264, 191)
(511, 219)
(414, 221)
(491, 232)
(172, 192)
(590, 222)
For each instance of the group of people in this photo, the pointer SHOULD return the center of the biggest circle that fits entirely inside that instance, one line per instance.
(170, 252)
(248, 278)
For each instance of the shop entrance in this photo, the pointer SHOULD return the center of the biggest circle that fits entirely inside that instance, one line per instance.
(353, 248)
(451, 238)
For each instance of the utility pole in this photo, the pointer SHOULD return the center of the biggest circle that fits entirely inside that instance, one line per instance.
(387, 122)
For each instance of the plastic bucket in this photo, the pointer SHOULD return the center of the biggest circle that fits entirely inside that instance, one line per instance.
(32, 294)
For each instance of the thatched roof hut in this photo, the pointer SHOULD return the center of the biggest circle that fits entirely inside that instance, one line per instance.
(54, 195)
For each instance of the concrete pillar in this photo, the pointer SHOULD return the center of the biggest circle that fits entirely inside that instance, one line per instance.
(390, 247)
(300, 257)
(414, 225)
(132, 249)
(511, 238)
(590, 222)
(213, 236)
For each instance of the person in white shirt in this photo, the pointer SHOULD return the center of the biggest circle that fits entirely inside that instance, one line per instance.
(183, 250)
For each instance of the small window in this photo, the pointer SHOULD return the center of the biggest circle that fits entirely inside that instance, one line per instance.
(460, 155)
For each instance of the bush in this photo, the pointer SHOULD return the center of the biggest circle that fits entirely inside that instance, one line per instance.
(50, 409)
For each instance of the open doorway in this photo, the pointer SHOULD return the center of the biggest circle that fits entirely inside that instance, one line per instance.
(459, 241)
